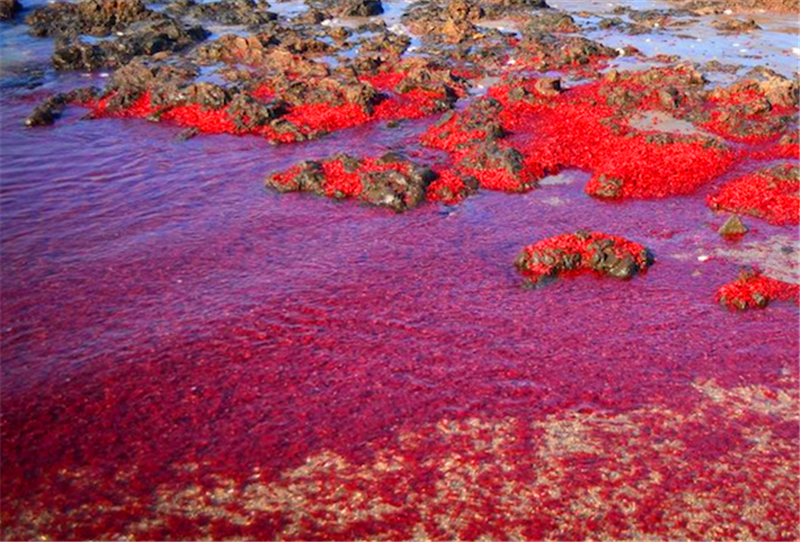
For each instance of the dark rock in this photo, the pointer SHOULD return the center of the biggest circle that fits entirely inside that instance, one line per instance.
(733, 227)
(232, 12)
(97, 18)
(735, 26)
(9, 9)
(360, 8)
(551, 21)
(48, 111)
(548, 86)
(145, 38)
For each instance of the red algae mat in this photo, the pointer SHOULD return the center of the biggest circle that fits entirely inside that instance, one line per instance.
(185, 356)
(188, 355)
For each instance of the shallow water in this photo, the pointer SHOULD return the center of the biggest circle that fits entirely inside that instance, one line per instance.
(161, 309)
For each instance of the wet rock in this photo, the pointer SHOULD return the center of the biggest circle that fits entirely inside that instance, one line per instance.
(232, 12)
(500, 8)
(451, 187)
(547, 51)
(497, 167)
(709, 7)
(97, 18)
(754, 290)
(48, 111)
(608, 187)
(389, 181)
(9, 9)
(551, 21)
(308, 176)
(548, 86)
(312, 16)
(464, 10)
(717, 66)
(610, 22)
(459, 132)
(583, 251)
(733, 227)
(385, 42)
(451, 22)
(670, 97)
(736, 26)
(164, 83)
(360, 8)
(188, 134)
(457, 31)
(145, 38)
(249, 114)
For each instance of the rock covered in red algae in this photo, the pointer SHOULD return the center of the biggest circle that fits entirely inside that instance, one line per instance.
(474, 139)
(389, 181)
(754, 290)
(284, 108)
(772, 194)
(583, 251)
(760, 107)
(551, 128)
(451, 187)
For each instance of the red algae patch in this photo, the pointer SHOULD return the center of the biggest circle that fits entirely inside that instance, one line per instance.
(389, 181)
(754, 290)
(722, 469)
(531, 128)
(581, 252)
(772, 194)
(451, 188)
(284, 108)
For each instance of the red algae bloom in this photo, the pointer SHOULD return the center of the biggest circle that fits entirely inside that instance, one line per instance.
(772, 194)
(581, 252)
(753, 290)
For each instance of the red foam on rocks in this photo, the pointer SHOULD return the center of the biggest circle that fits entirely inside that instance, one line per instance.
(761, 194)
(585, 246)
(754, 290)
